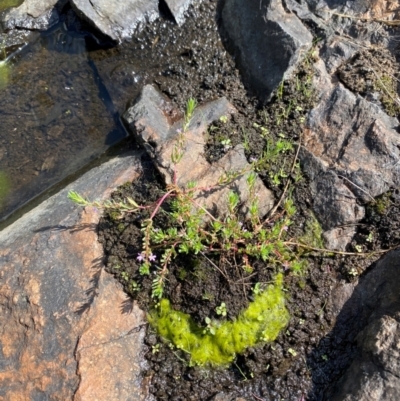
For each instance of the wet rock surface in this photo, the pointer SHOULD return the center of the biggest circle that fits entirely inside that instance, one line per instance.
(32, 15)
(19, 25)
(62, 315)
(349, 152)
(178, 9)
(118, 20)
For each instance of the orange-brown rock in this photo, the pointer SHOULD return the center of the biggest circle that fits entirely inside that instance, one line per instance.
(63, 331)
(153, 120)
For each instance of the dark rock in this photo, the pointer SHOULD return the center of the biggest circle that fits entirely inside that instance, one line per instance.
(32, 15)
(267, 40)
(63, 334)
(352, 154)
(374, 373)
(156, 124)
(178, 9)
(338, 238)
(343, 26)
(334, 203)
(18, 24)
(118, 20)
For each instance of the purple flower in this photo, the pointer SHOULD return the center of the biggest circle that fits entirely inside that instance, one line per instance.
(152, 258)
(253, 159)
(140, 257)
(285, 228)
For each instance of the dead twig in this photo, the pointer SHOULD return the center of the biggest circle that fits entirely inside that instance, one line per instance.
(363, 190)
(214, 265)
(289, 180)
(324, 250)
(368, 19)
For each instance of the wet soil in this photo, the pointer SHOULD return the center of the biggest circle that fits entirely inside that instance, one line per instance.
(316, 347)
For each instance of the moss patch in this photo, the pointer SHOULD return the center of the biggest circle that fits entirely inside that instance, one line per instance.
(264, 318)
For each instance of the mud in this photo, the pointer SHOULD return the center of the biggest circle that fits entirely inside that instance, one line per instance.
(315, 349)
(191, 61)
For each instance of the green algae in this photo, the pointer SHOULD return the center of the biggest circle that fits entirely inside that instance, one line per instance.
(4, 74)
(4, 4)
(261, 322)
(4, 186)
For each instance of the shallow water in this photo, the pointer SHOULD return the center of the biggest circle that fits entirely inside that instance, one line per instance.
(55, 116)
(67, 90)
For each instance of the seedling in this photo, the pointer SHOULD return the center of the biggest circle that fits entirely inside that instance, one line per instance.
(227, 144)
(358, 248)
(155, 349)
(221, 310)
(211, 326)
(257, 289)
(264, 131)
(135, 286)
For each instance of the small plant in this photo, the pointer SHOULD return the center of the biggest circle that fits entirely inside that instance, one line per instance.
(211, 326)
(257, 289)
(263, 130)
(232, 237)
(155, 349)
(358, 248)
(226, 143)
(221, 310)
(135, 286)
(190, 107)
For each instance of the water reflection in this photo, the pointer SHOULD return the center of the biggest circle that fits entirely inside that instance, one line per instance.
(53, 113)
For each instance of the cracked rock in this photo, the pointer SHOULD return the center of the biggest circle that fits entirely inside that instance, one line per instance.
(374, 304)
(156, 124)
(63, 335)
(351, 153)
(267, 40)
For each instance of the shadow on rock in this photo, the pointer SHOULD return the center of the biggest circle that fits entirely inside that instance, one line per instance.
(93, 290)
(361, 352)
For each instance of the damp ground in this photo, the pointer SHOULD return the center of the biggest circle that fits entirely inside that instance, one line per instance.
(313, 351)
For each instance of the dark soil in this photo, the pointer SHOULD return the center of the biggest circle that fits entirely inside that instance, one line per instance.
(373, 74)
(312, 353)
